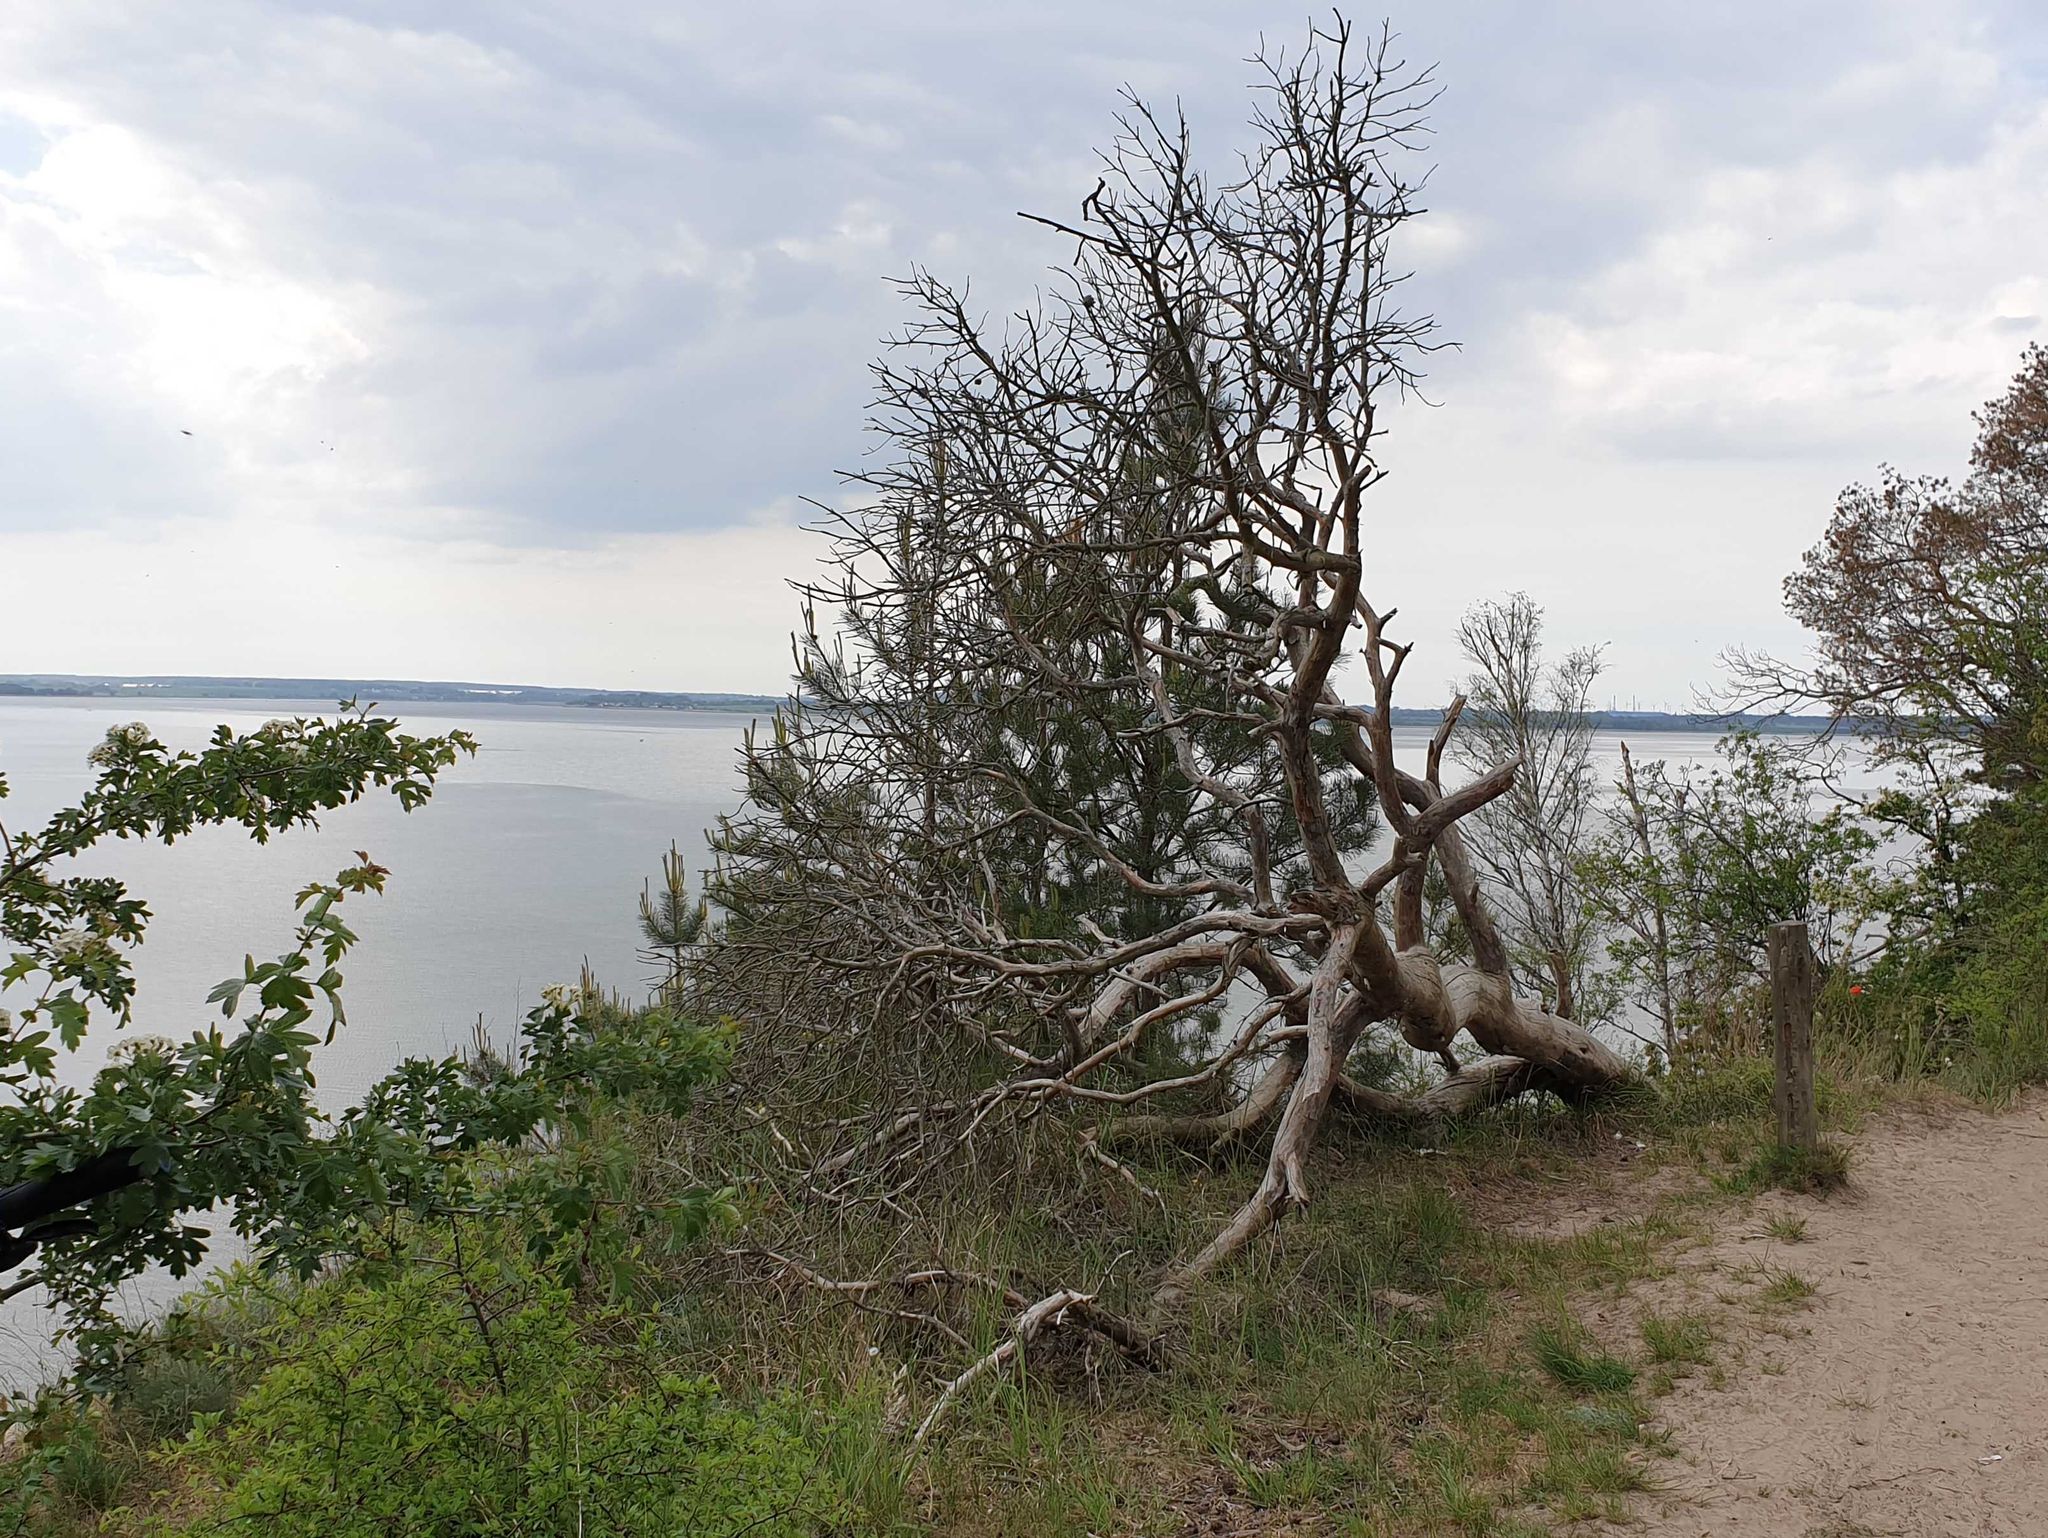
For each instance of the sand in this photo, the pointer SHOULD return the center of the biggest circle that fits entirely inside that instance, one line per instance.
(1913, 1395)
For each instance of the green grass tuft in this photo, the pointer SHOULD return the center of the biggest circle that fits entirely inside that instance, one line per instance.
(1786, 1287)
(1678, 1339)
(1561, 1351)
(1816, 1170)
(1786, 1227)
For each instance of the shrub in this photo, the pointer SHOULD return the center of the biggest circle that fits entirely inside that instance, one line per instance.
(466, 1396)
(1969, 1010)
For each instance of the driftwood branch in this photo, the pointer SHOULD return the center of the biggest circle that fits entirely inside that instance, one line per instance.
(1054, 1311)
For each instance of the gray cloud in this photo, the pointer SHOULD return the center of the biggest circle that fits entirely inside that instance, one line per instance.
(541, 276)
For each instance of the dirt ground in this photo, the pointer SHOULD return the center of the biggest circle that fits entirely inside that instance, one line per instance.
(1911, 1396)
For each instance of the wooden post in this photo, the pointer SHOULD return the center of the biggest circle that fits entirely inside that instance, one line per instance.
(1793, 970)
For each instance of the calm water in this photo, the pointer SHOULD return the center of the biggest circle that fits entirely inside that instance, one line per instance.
(527, 863)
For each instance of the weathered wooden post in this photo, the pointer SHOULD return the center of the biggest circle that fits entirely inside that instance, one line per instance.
(1793, 971)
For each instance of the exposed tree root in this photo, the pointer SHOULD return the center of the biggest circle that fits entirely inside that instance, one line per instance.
(1335, 1019)
(1047, 1313)
(1062, 1309)
(1477, 1086)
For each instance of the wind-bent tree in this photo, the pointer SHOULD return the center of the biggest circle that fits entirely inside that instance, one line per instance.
(1076, 822)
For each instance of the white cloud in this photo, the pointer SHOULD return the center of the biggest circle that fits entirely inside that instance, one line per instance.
(654, 611)
(1802, 307)
(1439, 239)
(858, 238)
(508, 342)
(141, 304)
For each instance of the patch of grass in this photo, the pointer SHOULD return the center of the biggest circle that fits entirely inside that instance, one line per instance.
(1344, 1387)
(1617, 1418)
(1611, 1256)
(1678, 1339)
(1297, 1388)
(1786, 1287)
(1581, 1483)
(1589, 1459)
(1697, 1092)
(1445, 1466)
(1561, 1350)
(1485, 1397)
(1291, 1353)
(163, 1395)
(1820, 1169)
(1309, 1476)
(1786, 1226)
(862, 1457)
(90, 1474)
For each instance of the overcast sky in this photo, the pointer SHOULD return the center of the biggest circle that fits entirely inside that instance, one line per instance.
(500, 341)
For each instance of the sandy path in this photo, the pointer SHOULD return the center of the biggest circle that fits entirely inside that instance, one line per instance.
(1914, 1392)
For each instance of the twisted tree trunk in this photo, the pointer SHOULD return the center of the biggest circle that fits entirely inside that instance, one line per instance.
(1086, 725)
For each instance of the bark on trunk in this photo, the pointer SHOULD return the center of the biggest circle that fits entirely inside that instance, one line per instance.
(1209, 1133)
(1475, 1087)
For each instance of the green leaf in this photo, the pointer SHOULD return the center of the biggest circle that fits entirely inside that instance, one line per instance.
(68, 1014)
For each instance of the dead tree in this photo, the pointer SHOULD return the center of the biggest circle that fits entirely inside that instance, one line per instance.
(1073, 824)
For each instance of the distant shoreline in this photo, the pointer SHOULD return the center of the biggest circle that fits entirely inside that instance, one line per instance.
(396, 691)
(384, 691)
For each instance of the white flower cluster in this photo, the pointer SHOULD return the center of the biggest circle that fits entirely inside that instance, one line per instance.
(131, 1047)
(285, 734)
(71, 942)
(6, 1020)
(118, 743)
(561, 996)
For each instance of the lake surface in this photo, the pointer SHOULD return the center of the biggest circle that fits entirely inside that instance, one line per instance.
(526, 864)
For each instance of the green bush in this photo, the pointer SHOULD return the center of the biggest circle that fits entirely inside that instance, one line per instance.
(473, 1397)
(1969, 1010)
(1999, 996)
(1964, 1001)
